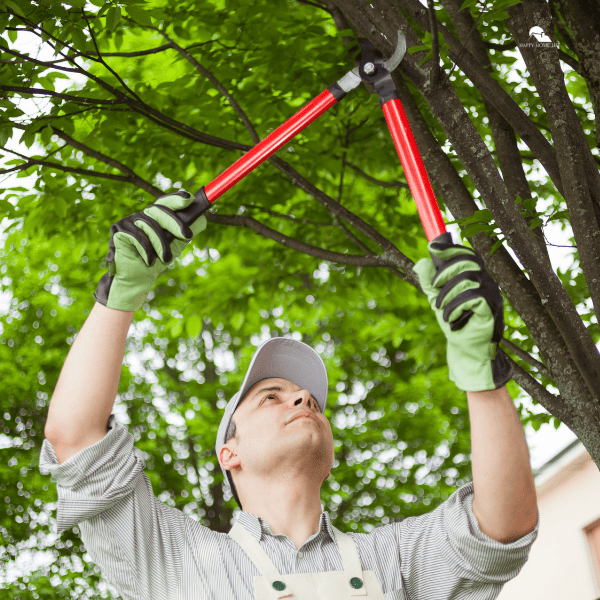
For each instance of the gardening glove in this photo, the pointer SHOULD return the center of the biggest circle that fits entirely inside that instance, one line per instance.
(140, 249)
(469, 308)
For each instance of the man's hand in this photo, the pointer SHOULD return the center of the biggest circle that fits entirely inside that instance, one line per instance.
(469, 308)
(139, 252)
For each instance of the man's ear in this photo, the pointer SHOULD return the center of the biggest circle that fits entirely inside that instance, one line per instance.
(228, 459)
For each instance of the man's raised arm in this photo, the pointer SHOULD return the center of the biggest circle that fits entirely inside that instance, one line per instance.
(140, 249)
(87, 387)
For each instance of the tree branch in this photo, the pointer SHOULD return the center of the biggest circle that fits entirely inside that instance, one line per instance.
(35, 61)
(505, 141)
(131, 176)
(555, 405)
(60, 167)
(526, 357)
(290, 217)
(435, 45)
(505, 46)
(391, 254)
(149, 112)
(103, 62)
(315, 4)
(288, 242)
(566, 58)
(475, 157)
(385, 184)
(206, 73)
(76, 99)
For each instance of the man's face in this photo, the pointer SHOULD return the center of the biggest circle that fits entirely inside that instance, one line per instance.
(274, 439)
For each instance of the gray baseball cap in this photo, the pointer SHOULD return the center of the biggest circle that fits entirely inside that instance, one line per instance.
(277, 357)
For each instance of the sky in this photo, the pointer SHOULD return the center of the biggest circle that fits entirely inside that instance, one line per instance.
(543, 444)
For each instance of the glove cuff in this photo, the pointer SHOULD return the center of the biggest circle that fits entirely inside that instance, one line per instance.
(130, 296)
(472, 373)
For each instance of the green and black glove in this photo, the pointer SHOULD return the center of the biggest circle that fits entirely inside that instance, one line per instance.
(469, 308)
(141, 248)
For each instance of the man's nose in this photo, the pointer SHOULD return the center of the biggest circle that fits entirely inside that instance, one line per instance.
(304, 397)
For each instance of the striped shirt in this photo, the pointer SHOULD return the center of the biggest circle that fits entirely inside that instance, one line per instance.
(151, 551)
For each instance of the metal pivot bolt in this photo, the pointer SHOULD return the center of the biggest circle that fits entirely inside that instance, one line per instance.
(369, 68)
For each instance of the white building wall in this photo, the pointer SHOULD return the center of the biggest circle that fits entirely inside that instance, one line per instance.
(561, 565)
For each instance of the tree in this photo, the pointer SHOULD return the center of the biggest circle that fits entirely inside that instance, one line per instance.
(134, 100)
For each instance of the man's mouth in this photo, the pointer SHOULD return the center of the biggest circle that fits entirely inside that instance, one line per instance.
(302, 414)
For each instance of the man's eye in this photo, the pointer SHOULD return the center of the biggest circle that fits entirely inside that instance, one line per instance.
(271, 396)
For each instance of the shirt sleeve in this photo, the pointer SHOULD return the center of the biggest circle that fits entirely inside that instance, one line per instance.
(136, 540)
(446, 549)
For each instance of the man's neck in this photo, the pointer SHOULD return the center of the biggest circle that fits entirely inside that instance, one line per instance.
(291, 510)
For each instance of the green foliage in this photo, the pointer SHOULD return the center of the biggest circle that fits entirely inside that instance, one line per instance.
(401, 428)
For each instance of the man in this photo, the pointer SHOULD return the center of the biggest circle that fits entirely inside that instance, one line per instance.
(275, 447)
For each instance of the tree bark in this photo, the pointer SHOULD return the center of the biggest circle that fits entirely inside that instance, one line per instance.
(579, 386)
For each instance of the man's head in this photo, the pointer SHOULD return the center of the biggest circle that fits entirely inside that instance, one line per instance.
(278, 427)
(296, 379)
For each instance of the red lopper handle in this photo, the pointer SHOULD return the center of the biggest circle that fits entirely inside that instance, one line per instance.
(414, 169)
(273, 142)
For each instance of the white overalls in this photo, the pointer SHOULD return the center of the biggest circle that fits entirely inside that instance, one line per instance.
(350, 584)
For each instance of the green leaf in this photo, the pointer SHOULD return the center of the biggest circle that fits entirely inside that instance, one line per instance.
(46, 134)
(238, 320)
(497, 15)
(14, 6)
(556, 422)
(12, 36)
(139, 15)
(471, 230)
(105, 8)
(98, 3)
(75, 3)
(79, 39)
(176, 329)
(503, 4)
(5, 133)
(529, 204)
(113, 16)
(535, 222)
(429, 55)
(468, 4)
(60, 207)
(414, 49)
(496, 246)
(193, 326)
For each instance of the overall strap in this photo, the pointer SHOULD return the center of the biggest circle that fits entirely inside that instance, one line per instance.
(351, 563)
(262, 562)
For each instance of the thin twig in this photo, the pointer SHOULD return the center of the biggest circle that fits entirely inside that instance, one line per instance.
(505, 46)
(31, 162)
(567, 58)
(315, 4)
(206, 73)
(385, 184)
(76, 99)
(288, 242)
(35, 61)
(464, 44)
(435, 46)
(101, 59)
(526, 357)
(289, 217)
